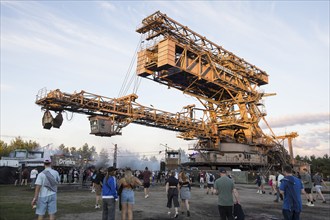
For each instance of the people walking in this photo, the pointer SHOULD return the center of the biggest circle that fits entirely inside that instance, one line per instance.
(33, 176)
(201, 179)
(185, 195)
(318, 182)
(172, 190)
(225, 189)
(146, 182)
(128, 183)
(279, 177)
(260, 181)
(272, 183)
(109, 195)
(17, 172)
(25, 176)
(291, 187)
(308, 185)
(45, 195)
(98, 187)
(210, 183)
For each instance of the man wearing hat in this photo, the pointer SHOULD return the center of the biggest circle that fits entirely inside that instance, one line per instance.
(225, 189)
(45, 197)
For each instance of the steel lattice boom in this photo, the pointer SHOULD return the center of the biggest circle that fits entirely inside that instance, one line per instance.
(226, 85)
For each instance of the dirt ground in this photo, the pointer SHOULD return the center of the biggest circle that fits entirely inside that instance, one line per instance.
(202, 206)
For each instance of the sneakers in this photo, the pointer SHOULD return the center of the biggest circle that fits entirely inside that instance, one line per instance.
(176, 215)
(169, 213)
(309, 204)
(146, 196)
(258, 191)
(97, 206)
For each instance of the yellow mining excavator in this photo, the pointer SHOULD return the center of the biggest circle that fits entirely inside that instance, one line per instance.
(227, 87)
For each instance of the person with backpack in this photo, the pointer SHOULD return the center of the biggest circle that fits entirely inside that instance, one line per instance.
(291, 188)
(45, 195)
(210, 183)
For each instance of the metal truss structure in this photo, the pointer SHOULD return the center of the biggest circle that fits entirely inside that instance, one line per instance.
(226, 85)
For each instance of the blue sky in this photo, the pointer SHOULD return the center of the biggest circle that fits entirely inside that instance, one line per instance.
(88, 45)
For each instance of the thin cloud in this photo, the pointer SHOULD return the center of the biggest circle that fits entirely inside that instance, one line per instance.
(6, 87)
(107, 6)
(303, 119)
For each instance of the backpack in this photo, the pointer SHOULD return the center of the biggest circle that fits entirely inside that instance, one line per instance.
(211, 178)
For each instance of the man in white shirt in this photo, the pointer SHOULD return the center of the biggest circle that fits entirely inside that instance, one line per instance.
(33, 177)
(279, 177)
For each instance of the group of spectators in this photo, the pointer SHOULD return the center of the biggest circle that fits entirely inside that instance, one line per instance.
(288, 187)
(310, 183)
(111, 185)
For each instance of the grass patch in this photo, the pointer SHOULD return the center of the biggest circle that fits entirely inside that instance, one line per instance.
(15, 202)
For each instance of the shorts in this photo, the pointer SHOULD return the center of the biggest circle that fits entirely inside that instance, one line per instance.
(318, 188)
(146, 184)
(46, 203)
(98, 189)
(210, 185)
(127, 196)
(308, 190)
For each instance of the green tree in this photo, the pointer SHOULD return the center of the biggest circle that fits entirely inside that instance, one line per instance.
(87, 152)
(73, 151)
(16, 143)
(4, 149)
(64, 149)
(298, 158)
(19, 143)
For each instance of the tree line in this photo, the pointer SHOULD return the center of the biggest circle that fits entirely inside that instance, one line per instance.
(318, 164)
(84, 152)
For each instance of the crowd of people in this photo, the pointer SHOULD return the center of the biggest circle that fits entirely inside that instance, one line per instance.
(310, 184)
(111, 185)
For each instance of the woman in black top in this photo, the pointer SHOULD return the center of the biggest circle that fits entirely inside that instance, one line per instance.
(172, 190)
